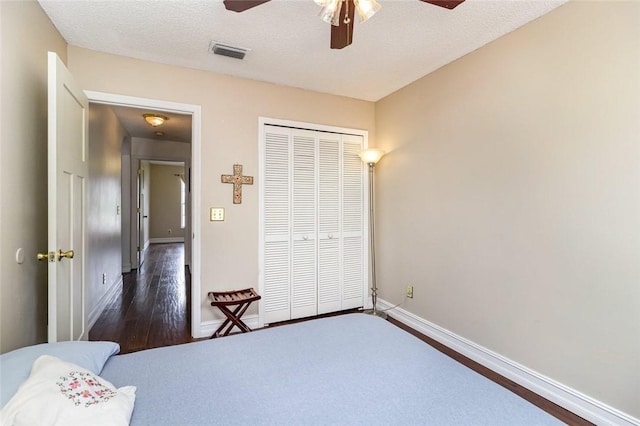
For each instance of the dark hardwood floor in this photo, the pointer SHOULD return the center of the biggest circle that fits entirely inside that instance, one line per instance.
(555, 410)
(153, 308)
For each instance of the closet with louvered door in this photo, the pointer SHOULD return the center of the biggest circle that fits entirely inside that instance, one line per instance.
(312, 219)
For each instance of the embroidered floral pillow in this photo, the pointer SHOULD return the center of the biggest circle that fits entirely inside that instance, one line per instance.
(62, 393)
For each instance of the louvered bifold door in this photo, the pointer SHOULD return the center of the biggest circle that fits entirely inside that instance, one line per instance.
(304, 288)
(276, 289)
(353, 248)
(329, 232)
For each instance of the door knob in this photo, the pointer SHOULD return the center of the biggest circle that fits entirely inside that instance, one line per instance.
(50, 256)
(62, 254)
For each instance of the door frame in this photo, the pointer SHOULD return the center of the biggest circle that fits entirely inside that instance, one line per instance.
(136, 164)
(140, 211)
(196, 196)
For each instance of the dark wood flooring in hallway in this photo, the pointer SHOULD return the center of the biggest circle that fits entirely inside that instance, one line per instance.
(152, 309)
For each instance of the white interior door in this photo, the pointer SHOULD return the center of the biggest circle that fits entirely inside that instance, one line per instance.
(68, 171)
(275, 206)
(304, 246)
(329, 224)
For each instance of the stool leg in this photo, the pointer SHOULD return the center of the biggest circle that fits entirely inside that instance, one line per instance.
(227, 314)
(233, 319)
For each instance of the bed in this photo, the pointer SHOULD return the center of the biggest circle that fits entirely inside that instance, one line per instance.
(350, 369)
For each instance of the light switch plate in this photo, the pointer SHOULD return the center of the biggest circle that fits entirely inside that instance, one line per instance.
(216, 214)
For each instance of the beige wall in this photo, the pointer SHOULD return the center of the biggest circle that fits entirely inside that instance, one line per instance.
(164, 203)
(103, 209)
(26, 36)
(510, 198)
(230, 111)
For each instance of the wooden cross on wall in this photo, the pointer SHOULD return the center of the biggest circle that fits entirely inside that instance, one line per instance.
(237, 180)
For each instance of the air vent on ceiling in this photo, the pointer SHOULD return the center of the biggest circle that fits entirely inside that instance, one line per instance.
(227, 50)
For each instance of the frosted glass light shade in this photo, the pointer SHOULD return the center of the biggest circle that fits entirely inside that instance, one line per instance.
(366, 8)
(330, 13)
(371, 155)
(154, 119)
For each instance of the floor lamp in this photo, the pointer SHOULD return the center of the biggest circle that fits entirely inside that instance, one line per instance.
(371, 156)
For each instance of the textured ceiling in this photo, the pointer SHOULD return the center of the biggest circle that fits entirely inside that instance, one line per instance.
(289, 44)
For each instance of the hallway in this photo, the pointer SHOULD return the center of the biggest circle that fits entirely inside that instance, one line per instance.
(153, 307)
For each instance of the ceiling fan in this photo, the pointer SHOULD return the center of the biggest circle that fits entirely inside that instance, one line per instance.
(339, 13)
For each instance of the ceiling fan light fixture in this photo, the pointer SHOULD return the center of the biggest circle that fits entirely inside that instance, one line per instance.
(366, 8)
(154, 119)
(330, 12)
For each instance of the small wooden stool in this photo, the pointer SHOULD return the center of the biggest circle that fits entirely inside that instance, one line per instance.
(225, 299)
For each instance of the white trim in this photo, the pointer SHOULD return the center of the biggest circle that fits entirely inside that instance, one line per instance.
(264, 121)
(207, 328)
(103, 302)
(196, 170)
(126, 268)
(166, 240)
(571, 399)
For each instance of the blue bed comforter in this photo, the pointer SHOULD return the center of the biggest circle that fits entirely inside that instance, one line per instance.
(351, 369)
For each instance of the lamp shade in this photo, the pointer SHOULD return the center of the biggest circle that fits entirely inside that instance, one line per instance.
(371, 155)
(366, 8)
(330, 12)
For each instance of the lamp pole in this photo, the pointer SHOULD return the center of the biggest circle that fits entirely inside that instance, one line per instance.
(371, 157)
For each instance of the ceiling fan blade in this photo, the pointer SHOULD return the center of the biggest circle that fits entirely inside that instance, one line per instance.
(242, 5)
(449, 4)
(342, 35)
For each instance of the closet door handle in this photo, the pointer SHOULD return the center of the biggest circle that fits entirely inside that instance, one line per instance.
(330, 236)
(305, 237)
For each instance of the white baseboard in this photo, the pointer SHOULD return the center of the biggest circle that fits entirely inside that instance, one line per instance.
(166, 240)
(103, 302)
(207, 328)
(126, 267)
(574, 401)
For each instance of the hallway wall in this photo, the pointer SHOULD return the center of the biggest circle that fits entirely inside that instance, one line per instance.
(164, 202)
(104, 260)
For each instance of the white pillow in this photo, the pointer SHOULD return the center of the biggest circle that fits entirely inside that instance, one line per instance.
(16, 365)
(62, 393)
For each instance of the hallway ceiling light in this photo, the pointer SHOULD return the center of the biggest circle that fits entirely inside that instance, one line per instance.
(155, 119)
